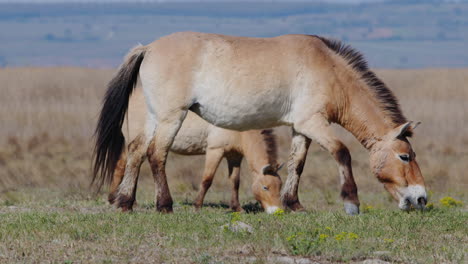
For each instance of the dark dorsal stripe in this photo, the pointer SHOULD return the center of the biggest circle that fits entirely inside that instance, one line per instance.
(357, 61)
(270, 141)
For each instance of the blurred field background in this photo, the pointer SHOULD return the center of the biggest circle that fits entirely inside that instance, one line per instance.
(48, 117)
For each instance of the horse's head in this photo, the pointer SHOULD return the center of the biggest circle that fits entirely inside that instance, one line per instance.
(266, 188)
(393, 161)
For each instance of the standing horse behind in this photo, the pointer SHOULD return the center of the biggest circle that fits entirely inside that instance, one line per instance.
(239, 83)
(197, 137)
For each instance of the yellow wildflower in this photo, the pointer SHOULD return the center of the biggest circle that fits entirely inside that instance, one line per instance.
(352, 236)
(340, 236)
(323, 236)
(278, 212)
(449, 202)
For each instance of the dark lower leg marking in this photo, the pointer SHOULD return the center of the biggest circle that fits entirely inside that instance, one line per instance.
(212, 159)
(204, 186)
(163, 196)
(125, 182)
(234, 163)
(348, 187)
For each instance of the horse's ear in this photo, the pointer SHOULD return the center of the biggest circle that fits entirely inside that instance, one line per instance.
(269, 170)
(403, 130)
(279, 167)
(272, 170)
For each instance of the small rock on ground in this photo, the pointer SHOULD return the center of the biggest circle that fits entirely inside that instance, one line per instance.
(291, 260)
(374, 261)
(238, 226)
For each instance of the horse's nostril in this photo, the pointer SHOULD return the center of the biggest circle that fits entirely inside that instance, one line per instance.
(407, 202)
(422, 201)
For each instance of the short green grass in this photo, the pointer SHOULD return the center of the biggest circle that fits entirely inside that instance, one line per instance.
(76, 229)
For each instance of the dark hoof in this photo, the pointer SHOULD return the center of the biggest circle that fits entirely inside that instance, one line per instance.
(197, 205)
(165, 209)
(235, 206)
(112, 197)
(125, 202)
(126, 209)
(295, 206)
(237, 209)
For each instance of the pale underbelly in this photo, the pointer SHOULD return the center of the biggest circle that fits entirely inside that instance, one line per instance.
(241, 112)
(237, 118)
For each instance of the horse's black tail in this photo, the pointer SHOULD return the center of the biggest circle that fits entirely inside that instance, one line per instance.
(109, 138)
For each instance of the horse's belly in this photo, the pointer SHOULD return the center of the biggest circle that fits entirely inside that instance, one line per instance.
(239, 114)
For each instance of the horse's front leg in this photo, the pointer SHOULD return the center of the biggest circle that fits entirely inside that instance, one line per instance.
(289, 194)
(318, 129)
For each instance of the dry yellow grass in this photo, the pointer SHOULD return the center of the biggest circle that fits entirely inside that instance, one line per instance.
(48, 117)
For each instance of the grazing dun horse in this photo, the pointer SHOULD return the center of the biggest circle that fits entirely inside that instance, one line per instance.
(239, 83)
(197, 137)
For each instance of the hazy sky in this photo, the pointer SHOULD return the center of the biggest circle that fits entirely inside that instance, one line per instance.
(167, 1)
(398, 34)
(109, 1)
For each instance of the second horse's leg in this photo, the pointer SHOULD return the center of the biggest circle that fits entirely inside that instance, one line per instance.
(234, 163)
(212, 159)
(117, 177)
(289, 194)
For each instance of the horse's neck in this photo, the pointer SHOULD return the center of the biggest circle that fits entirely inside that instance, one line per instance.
(361, 113)
(256, 150)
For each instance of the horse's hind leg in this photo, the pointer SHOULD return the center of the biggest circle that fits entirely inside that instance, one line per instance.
(212, 159)
(234, 163)
(117, 177)
(318, 129)
(164, 135)
(289, 194)
(125, 197)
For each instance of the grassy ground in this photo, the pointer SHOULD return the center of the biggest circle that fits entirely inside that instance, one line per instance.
(43, 226)
(48, 212)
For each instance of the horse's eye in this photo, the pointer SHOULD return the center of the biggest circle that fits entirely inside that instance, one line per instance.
(405, 157)
(265, 188)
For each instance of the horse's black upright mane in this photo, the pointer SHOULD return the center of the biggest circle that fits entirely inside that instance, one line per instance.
(356, 60)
